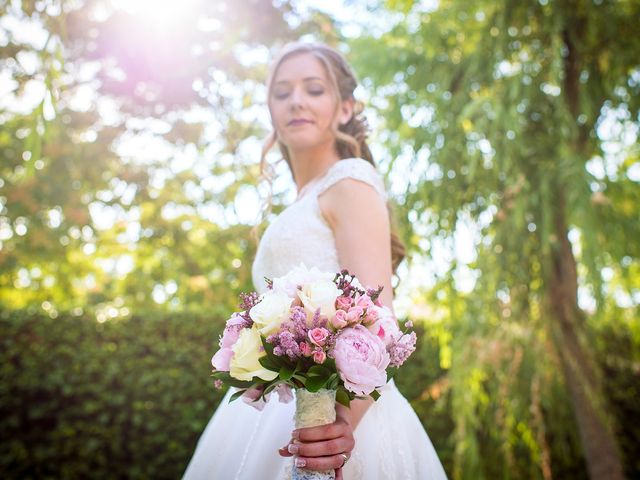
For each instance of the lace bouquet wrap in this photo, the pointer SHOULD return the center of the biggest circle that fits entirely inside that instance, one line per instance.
(319, 333)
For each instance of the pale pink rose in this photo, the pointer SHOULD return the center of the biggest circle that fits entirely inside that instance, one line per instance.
(319, 356)
(340, 319)
(363, 301)
(318, 336)
(354, 314)
(343, 302)
(386, 326)
(305, 348)
(285, 395)
(250, 397)
(371, 317)
(361, 360)
(231, 332)
(221, 359)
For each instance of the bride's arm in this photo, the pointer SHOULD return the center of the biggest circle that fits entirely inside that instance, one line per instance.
(358, 216)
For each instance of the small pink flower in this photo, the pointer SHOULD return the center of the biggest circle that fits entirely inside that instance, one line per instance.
(340, 319)
(305, 348)
(319, 356)
(343, 303)
(251, 396)
(318, 336)
(285, 395)
(354, 314)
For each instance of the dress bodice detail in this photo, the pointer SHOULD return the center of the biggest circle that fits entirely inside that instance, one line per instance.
(300, 232)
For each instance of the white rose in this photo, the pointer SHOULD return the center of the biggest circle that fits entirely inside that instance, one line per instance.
(271, 311)
(245, 364)
(299, 275)
(322, 294)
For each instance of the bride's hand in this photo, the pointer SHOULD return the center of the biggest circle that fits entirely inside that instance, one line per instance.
(320, 448)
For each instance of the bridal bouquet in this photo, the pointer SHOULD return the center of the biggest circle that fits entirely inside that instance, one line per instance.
(320, 333)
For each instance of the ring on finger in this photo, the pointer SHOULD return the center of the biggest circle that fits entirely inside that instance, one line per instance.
(345, 456)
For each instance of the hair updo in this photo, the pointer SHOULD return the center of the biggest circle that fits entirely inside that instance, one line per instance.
(350, 137)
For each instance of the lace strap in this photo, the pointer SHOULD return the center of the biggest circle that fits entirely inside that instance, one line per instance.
(357, 168)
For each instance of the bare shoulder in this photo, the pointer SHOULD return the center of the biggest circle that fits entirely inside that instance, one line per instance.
(358, 217)
(348, 198)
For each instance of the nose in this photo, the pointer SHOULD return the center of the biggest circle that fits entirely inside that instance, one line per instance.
(297, 98)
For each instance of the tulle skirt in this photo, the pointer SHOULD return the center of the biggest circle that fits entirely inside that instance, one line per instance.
(242, 443)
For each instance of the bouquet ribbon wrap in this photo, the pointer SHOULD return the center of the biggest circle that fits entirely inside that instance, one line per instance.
(313, 409)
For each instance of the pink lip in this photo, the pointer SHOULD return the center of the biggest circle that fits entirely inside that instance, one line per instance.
(298, 121)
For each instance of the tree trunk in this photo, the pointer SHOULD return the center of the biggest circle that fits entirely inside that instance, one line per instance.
(579, 368)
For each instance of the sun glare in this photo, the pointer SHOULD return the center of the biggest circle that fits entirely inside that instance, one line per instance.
(160, 13)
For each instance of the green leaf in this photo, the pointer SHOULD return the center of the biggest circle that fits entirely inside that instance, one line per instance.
(267, 346)
(314, 384)
(342, 397)
(237, 395)
(286, 372)
(319, 371)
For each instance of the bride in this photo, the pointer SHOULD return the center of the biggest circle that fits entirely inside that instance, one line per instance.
(339, 220)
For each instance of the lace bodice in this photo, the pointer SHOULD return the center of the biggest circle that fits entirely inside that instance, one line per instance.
(300, 233)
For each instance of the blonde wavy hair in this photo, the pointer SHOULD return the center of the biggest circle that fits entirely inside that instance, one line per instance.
(350, 137)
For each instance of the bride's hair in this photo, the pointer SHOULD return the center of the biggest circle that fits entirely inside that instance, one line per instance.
(350, 137)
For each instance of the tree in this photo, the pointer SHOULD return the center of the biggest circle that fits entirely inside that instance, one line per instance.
(500, 108)
(92, 80)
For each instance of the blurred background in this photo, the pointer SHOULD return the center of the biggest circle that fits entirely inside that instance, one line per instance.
(507, 132)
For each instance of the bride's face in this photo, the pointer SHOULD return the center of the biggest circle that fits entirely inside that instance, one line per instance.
(302, 103)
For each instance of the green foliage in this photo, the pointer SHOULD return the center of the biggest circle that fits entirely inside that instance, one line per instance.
(120, 399)
(497, 109)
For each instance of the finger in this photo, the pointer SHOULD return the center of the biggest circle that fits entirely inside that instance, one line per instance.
(323, 448)
(284, 451)
(331, 462)
(322, 432)
(339, 474)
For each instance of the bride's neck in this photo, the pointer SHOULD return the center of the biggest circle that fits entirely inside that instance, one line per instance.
(310, 164)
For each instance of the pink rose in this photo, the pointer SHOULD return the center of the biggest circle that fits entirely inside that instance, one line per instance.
(343, 302)
(221, 359)
(318, 336)
(340, 319)
(371, 317)
(319, 356)
(363, 301)
(354, 314)
(305, 348)
(361, 360)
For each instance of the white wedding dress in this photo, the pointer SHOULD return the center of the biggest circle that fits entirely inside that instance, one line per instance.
(241, 442)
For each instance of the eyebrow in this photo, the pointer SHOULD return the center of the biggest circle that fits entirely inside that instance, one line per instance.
(305, 79)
